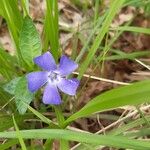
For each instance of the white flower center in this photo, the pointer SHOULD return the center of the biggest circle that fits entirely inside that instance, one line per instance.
(53, 77)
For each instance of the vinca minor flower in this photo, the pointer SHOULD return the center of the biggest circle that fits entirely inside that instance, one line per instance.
(53, 77)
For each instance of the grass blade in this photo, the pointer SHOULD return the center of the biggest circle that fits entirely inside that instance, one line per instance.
(19, 135)
(116, 5)
(51, 28)
(10, 11)
(132, 29)
(127, 95)
(38, 114)
(112, 141)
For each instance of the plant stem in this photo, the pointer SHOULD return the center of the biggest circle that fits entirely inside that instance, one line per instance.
(59, 116)
(64, 145)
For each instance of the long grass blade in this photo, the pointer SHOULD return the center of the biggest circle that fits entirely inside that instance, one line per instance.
(112, 141)
(116, 5)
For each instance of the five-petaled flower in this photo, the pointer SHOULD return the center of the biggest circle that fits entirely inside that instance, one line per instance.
(54, 77)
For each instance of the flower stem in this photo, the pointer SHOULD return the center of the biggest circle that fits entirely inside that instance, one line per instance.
(59, 116)
(64, 145)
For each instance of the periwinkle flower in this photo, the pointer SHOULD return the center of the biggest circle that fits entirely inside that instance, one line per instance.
(54, 77)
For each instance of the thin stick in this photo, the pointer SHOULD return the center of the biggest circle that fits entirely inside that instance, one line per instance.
(103, 79)
(141, 63)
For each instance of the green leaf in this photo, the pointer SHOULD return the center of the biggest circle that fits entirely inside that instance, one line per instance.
(29, 43)
(132, 29)
(8, 144)
(11, 86)
(5, 100)
(127, 95)
(6, 60)
(123, 55)
(7, 64)
(107, 140)
(21, 141)
(7, 122)
(119, 131)
(10, 11)
(39, 115)
(51, 29)
(18, 87)
(136, 3)
(22, 95)
(42, 117)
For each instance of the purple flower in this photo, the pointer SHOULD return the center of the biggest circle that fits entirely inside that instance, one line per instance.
(54, 77)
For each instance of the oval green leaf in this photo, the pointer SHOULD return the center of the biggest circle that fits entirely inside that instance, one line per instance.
(29, 42)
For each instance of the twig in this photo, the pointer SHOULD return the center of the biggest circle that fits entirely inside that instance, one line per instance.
(103, 79)
(141, 63)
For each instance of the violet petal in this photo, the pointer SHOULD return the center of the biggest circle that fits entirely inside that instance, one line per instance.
(36, 80)
(68, 86)
(51, 95)
(46, 61)
(67, 66)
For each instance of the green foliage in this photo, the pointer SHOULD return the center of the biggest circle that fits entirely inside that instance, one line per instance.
(133, 29)
(29, 42)
(129, 125)
(8, 144)
(10, 11)
(86, 44)
(51, 29)
(7, 64)
(128, 95)
(112, 141)
(7, 121)
(5, 98)
(23, 147)
(22, 95)
(39, 115)
(121, 55)
(11, 86)
(18, 88)
(115, 6)
(144, 4)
